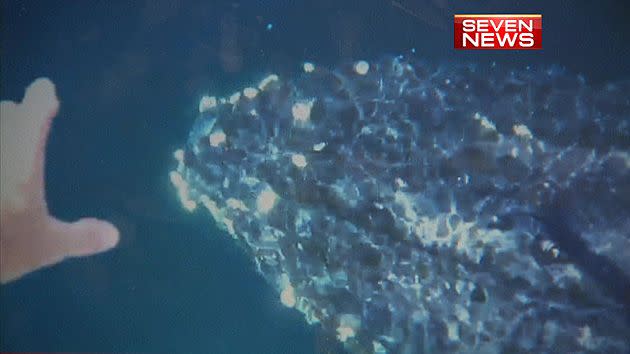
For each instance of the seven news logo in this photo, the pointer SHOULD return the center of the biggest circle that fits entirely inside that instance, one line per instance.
(498, 31)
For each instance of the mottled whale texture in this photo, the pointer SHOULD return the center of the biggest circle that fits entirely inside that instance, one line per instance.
(414, 208)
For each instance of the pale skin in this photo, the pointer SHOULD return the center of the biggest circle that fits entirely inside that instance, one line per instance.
(31, 238)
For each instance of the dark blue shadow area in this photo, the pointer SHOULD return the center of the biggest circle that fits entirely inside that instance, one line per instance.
(175, 288)
(129, 75)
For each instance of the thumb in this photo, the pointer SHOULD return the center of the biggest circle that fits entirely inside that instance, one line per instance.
(88, 236)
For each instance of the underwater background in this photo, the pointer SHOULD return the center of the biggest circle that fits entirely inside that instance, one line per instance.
(129, 75)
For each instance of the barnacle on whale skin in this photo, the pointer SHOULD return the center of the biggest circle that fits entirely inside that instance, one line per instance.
(413, 208)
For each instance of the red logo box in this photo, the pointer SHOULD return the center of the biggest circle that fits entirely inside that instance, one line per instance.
(498, 31)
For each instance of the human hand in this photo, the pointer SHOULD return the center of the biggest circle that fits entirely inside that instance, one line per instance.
(30, 238)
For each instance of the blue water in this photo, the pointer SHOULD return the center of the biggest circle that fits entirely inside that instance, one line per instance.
(129, 76)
